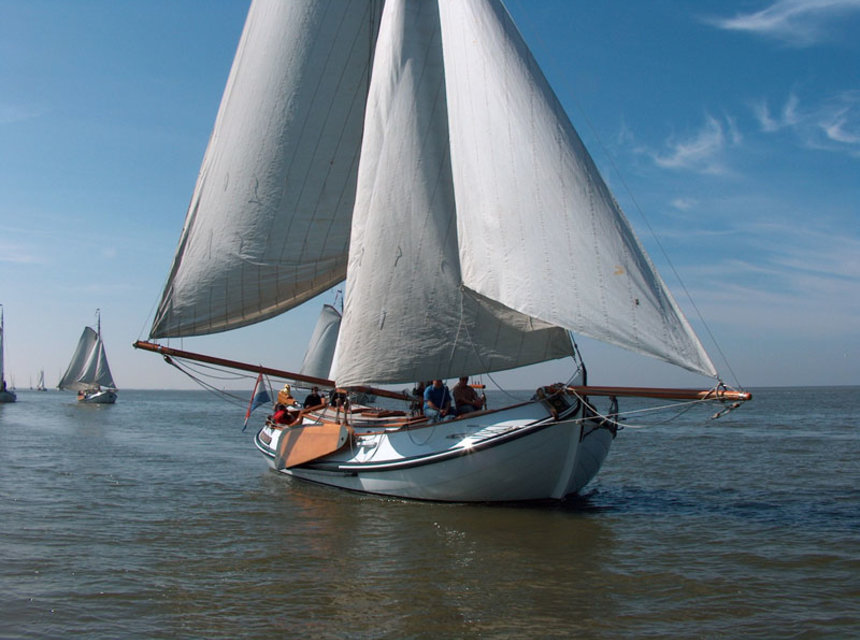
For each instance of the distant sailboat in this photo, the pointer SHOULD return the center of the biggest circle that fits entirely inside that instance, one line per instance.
(6, 394)
(89, 373)
(415, 149)
(40, 386)
(320, 353)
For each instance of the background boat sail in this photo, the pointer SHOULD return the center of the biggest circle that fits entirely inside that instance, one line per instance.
(418, 152)
(6, 394)
(89, 373)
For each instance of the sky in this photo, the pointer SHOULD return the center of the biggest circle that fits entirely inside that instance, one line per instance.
(729, 132)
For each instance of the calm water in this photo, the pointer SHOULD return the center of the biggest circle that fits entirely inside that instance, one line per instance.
(156, 518)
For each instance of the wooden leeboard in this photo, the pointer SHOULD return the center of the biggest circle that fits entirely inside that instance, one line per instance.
(309, 442)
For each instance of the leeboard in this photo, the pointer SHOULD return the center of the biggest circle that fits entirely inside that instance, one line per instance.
(298, 445)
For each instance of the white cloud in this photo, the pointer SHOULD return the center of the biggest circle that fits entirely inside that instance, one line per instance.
(18, 254)
(684, 204)
(832, 125)
(796, 22)
(701, 151)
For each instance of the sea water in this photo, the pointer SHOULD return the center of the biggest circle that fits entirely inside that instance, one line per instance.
(157, 518)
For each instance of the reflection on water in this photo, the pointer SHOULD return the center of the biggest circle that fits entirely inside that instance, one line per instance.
(155, 518)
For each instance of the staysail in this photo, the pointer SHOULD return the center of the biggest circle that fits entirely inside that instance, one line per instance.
(477, 228)
(89, 366)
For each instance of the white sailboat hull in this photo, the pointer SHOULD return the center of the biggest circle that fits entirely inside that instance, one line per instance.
(102, 396)
(515, 454)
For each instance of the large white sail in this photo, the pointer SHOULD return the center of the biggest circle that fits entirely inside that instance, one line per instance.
(268, 223)
(406, 316)
(89, 366)
(484, 217)
(477, 228)
(539, 230)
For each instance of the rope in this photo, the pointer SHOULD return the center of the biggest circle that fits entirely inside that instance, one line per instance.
(229, 397)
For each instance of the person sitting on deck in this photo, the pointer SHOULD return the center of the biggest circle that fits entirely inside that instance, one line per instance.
(466, 399)
(313, 399)
(282, 416)
(437, 402)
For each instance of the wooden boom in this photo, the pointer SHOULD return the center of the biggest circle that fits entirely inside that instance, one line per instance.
(665, 394)
(257, 368)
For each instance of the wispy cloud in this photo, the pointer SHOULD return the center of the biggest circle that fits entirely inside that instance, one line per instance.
(684, 204)
(12, 253)
(701, 151)
(11, 113)
(832, 125)
(798, 23)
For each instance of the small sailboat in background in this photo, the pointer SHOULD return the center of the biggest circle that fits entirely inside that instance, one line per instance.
(40, 386)
(6, 394)
(89, 373)
(414, 149)
(320, 353)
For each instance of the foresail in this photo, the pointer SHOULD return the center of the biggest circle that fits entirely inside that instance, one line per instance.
(406, 315)
(268, 223)
(318, 357)
(539, 230)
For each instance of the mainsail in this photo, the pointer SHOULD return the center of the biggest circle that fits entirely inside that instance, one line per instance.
(477, 228)
(268, 224)
(89, 366)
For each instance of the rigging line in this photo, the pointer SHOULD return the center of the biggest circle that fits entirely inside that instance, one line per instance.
(235, 376)
(610, 158)
(233, 399)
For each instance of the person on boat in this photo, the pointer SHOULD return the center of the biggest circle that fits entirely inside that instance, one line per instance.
(338, 398)
(466, 399)
(437, 402)
(285, 396)
(314, 399)
(282, 416)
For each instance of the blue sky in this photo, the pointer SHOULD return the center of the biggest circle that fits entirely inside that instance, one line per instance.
(729, 132)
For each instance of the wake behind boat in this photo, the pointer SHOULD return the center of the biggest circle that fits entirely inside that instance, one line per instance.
(89, 373)
(416, 150)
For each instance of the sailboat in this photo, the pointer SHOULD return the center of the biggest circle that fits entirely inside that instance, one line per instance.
(414, 150)
(6, 394)
(40, 385)
(89, 373)
(320, 351)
